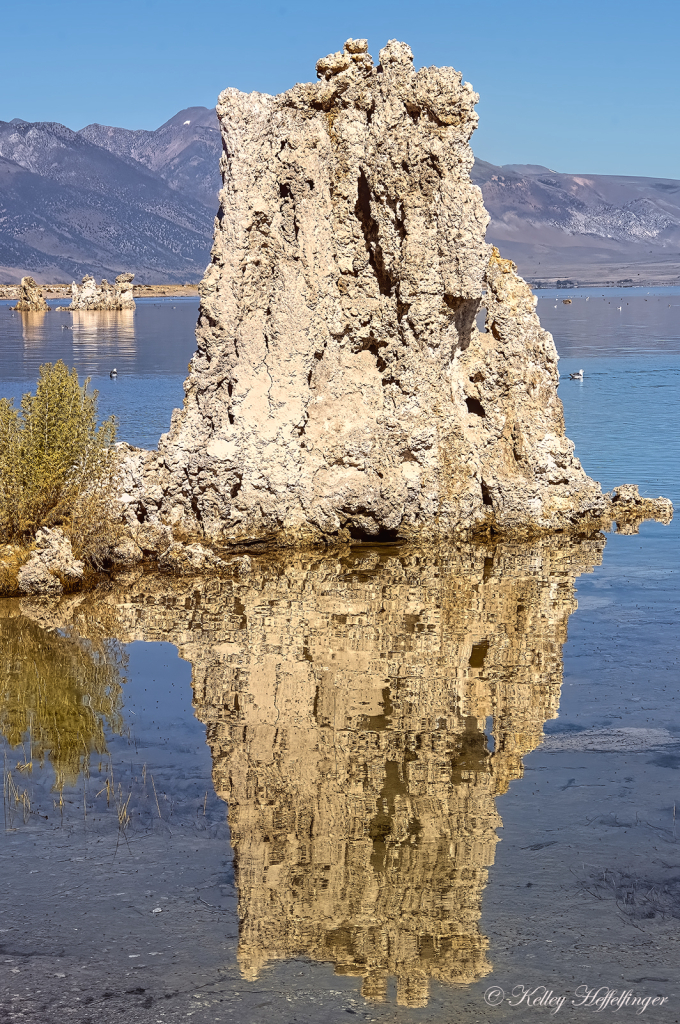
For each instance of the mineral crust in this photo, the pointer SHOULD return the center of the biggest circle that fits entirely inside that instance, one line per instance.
(31, 299)
(342, 386)
(116, 296)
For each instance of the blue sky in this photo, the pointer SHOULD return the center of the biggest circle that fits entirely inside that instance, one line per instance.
(578, 86)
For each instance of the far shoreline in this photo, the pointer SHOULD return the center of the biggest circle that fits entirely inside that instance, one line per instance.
(140, 291)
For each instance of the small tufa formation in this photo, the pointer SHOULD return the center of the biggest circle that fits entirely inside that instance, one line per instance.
(342, 386)
(31, 298)
(51, 565)
(88, 296)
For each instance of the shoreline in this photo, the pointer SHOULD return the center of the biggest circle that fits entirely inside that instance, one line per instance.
(139, 291)
(11, 292)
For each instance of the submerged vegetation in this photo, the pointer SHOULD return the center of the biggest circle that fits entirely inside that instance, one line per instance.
(57, 468)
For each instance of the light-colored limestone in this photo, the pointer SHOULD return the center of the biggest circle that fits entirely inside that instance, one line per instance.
(341, 385)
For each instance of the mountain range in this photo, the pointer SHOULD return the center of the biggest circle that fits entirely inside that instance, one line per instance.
(104, 200)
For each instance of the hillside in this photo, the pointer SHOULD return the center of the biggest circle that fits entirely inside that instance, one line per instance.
(107, 199)
(589, 228)
(98, 201)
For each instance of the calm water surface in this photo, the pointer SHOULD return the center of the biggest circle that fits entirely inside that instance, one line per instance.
(376, 785)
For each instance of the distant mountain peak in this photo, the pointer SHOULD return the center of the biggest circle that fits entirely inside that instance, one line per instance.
(529, 169)
(195, 117)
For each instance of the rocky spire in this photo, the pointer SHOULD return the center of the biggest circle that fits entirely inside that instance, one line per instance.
(31, 299)
(342, 386)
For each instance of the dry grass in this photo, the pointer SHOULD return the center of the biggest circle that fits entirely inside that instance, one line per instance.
(12, 557)
(15, 800)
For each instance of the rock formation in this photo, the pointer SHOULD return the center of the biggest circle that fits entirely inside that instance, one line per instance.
(341, 385)
(346, 702)
(50, 565)
(31, 298)
(88, 296)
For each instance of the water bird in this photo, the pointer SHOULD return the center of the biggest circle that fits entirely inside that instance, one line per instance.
(576, 376)
(114, 373)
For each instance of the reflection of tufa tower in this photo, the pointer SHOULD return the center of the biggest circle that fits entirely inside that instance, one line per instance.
(346, 702)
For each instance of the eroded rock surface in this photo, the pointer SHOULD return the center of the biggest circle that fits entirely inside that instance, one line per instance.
(50, 565)
(341, 385)
(89, 296)
(31, 298)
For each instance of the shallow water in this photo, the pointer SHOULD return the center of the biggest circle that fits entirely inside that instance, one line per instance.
(311, 796)
(150, 348)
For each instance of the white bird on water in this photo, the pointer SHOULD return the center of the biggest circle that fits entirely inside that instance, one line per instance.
(114, 372)
(576, 376)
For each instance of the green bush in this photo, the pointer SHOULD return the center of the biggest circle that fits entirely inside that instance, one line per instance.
(57, 466)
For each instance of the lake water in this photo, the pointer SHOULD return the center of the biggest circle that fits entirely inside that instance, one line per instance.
(378, 785)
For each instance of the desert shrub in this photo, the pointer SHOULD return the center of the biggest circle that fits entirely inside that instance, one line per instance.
(57, 465)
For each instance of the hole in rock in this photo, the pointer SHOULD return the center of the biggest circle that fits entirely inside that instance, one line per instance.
(195, 509)
(479, 652)
(486, 497)
(369, 229)
(383, 536)
(475, 407)
(402, 310)
(230, 389)
(284, 191)
(236, 486)
(487, 572)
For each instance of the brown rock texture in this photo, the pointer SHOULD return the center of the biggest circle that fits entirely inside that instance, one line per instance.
(31, 298)
(89, 296)
(349, 704)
